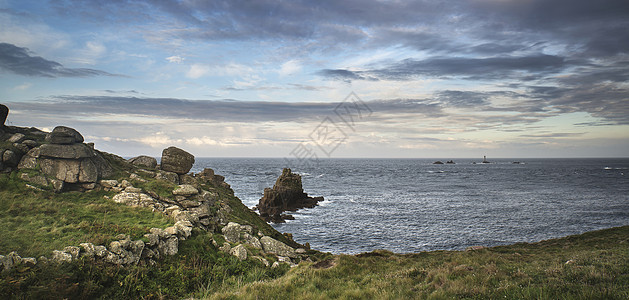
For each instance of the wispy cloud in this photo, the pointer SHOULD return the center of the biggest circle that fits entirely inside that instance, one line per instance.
(18, 60)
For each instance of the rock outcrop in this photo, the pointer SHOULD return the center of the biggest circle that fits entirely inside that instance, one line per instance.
(176, 160)
(66, 161)
(286, 195)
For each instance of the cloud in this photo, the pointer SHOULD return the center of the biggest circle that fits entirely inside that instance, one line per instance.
(222, 110)
(493, 68)
(197, 71)
(19, 61)
(290, 67)
(175, 59)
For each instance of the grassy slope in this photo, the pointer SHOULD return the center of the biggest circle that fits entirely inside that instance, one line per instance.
(598, 268)
(34, 223)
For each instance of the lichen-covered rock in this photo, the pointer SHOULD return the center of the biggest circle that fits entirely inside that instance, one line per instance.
(144, 161)
(73, 251)
(185, 190)
(176, 160)
(168, 177)
(239, 252)
(251, 240)
(231, 232)
(16, 138)
(271, 245)
(74, 151)
(60, 256)
(169, 246)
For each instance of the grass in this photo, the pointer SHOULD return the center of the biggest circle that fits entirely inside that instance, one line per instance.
(597, 268)
(198, 270)
(34, 223)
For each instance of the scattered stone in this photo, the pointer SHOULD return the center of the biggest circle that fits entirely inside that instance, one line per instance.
(239, 251)
(185, 190)
(271, 245)
(225, 248)
(109, 183)
(176, 160)
(300, 251)
(144, 161)
(131, 189)
(168, 176)
(263, 260)
(231, 232)
(73, 251)
(10, 158)
(60, 256)
(16, 138)
(251, 240)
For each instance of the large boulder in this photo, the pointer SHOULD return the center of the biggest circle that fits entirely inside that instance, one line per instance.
(176, 160)
(286, 195)
(144, 161)
(64, 135)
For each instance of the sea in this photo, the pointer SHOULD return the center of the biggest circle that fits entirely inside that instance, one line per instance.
(413, 205)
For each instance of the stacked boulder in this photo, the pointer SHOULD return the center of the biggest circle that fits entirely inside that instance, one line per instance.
(67, 161)
(286, 195)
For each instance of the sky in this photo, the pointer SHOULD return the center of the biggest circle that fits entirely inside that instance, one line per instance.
(323, 79)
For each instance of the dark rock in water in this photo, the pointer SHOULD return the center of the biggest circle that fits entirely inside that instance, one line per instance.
(286, 195)
(450, 162)
(64, 135)
(144, 161)
(4, 113)
(176, 160)
(438, 163)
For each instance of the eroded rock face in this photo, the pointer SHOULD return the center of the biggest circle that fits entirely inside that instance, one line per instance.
(176, 160)
(286, 195)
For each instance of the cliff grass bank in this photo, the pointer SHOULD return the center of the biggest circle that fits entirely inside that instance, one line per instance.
(594, 265)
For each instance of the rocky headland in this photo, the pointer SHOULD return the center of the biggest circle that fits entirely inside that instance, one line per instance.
(286, 195)
(61, 162)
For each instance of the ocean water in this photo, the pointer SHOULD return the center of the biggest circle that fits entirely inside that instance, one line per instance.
(412, 205)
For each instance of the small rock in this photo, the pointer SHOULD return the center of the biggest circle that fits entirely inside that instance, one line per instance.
(185, 190)
(72, 250)
(109, 183)
(30, 143)
(16, 138)
(60, 256)
(131, 189)
(474, 248)
(225, 248)
(271, 245)
(239, 251)
(300, 251)
(231, 232)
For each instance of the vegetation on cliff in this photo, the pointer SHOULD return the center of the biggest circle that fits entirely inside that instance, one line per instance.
(593, 265)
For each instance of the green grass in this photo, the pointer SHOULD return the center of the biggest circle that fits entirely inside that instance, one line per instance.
(521, 271)
(197, 270)
(34, 223)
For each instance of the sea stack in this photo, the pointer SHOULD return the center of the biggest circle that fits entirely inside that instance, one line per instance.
(286, 195)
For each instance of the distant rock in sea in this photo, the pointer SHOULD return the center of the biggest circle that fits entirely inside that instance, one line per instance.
(438, 163)
(286, 195)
